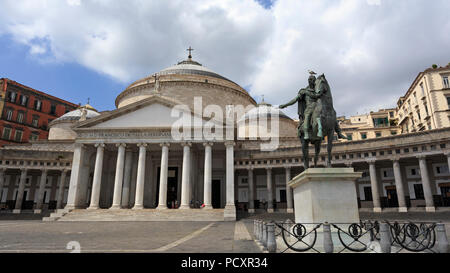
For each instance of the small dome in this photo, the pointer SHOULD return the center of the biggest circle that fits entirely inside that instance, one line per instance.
(263, 110)
(75, 115)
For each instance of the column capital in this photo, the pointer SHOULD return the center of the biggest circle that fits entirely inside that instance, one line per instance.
(99, 145)
(44, 170)
(118, 145)
(164, 144)
(210, 144)
(250, 168)
(287, 167)
(421, 157)
(349, 164)
(23, 169)
(229, 143)
(396, 159)
(65, 171)
(268, 168)
(184, 144)
(3, 170)
(447, 153)
(371, 161)
(142, 145)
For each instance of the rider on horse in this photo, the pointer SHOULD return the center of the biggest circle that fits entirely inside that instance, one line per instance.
(307, 101)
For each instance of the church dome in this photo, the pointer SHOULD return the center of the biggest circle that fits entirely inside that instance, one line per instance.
(185, 81)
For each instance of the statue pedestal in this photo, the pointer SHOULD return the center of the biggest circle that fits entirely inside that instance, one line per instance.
(326, 195)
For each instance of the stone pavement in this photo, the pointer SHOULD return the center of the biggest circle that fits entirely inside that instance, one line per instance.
(133, 237)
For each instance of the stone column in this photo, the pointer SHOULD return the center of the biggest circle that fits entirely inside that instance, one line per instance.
(375, 186)
(208, 176)
(185, 176)
(448, 160)
(127, 179)
(399, 186)
(2, 181)
(230, 207)
(140, 180)
(289, 199)
(118, 181)
(426, 183)
(269, 191)
(40, 199)
(251, 191)
(23, 178)
(62, 186)
(97, 180)
(73, 200)
(163, 176)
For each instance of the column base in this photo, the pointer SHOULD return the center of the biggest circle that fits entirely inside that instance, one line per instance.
(270, 210)
(37, 211)
(229, 214)
(17, 211)
(208, 207)
(403, 209)
(184, 207)
(161, 207)
(138, 207)
(377, 210)
(93, 208)
(115, 207)
(251, 210)
(430, 209)
(290, 210)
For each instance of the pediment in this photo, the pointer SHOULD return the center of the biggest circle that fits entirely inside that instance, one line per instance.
(154, 112)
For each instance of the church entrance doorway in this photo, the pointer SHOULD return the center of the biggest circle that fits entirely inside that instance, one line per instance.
(216, 194)
(172, 187)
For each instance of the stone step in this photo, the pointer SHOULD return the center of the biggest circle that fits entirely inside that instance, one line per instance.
(141, 215)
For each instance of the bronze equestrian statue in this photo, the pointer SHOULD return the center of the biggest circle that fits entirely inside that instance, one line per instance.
(317, 117)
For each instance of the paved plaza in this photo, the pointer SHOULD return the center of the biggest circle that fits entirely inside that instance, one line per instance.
(27, 233)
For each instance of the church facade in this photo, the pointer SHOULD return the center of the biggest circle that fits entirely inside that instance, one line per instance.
(174, 149)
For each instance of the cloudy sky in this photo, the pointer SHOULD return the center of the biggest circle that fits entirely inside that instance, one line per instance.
(370, 50)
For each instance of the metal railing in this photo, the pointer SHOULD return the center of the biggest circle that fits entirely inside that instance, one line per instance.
(366, 236)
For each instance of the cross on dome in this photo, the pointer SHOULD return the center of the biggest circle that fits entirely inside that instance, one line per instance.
(190, 49)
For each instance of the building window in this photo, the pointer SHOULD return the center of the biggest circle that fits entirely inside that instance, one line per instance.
(391, 114)
(393, 133)
(418, 191)
(363, 135)
(350, 137)
(426, 109)
(23, 100)
(9, 114)
(18, 136)
(423, 90)
(20, 116)
(12, 96)
(6, 133)
(448, 101)
(445, 82)
(38, 105)
(35, 121)
(418, 115)
(378, 134)
(53, 109)
(34, 136)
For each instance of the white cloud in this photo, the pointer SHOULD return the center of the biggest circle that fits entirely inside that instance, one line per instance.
(370, 50)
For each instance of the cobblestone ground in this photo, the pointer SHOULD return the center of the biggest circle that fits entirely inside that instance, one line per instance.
(17, 235)
(27, 233)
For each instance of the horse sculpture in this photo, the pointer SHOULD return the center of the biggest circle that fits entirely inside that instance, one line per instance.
(324, 119)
